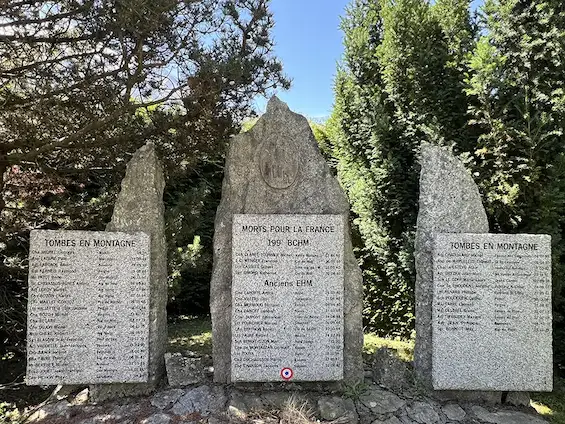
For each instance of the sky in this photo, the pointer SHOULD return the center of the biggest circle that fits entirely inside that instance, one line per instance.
(308, 41)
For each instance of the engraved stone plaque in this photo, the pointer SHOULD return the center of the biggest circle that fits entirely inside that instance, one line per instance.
(492, 312)
(88, 308)
(287, 298)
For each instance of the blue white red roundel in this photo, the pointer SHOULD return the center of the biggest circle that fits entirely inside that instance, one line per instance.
(286, 374)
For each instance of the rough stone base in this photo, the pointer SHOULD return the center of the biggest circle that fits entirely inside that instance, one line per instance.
(216, 404)
(104, 392)
(274, 403)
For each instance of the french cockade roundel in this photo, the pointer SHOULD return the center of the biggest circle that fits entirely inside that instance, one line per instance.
(286, 374)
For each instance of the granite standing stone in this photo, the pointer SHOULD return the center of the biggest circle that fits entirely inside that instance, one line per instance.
(88, 308)
(277, 168)
(492, 312)
(449, 203)
(140, 207)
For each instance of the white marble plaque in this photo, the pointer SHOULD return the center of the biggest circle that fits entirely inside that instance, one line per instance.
(287, 298)
(492, 324)
(88, 307)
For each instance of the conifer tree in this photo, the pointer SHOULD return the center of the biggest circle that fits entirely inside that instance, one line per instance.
(401, 83)
(517, 89)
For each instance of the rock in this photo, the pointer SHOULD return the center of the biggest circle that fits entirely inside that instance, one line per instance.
(99, 419)
(158, 418)
(449, 202)
(219, 399)
(332, 408)
(236, 413)
(279, 400)
(164, 399)
(381, 401)
(389, 370)
(120, 412)
(404, 419)
(80, 398)
(183, 370)
(249, 401)
(454, 412)
(505, 417)
(364, 413)
(139, 207)
(237, 401)
(195, 401)
(216, 420)
(518, 398)
(66, 391)
(423, 413)
(60, 408)
(351, 411)
(480, 412)
(391, 420)
(470, 396)
(248, 190)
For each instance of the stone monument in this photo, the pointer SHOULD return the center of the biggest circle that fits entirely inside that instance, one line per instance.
(88, 308)
(492, 312)
(286, 290)
(449, 203)
(140, 207)
(480, 298)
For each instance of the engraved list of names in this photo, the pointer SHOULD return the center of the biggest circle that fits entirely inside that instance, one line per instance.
(492, 312)
(287, 298)
(88, 309)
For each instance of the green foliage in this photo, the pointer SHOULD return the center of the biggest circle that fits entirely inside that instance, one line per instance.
(83, 84)
(354, 391)
(401, 83)
(248, 124)
(191, 333)
(325, 144)
(551, 405)
(516, 87)
(403, 349)
(191, 200)
(416, 72)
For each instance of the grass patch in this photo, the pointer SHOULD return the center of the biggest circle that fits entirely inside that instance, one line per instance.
(195, 334)
(191, 333)
(552, 405)
(295, 411)
(404, 349)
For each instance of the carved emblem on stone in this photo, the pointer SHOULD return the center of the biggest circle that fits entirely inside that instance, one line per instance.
(279, 164)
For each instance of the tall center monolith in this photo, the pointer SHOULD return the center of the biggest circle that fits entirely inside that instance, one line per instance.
(286, 290)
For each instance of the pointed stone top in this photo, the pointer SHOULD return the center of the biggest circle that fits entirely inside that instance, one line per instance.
(431, 152)
(447, 190)
(276, 104)
(147, 147)
(141, 193)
